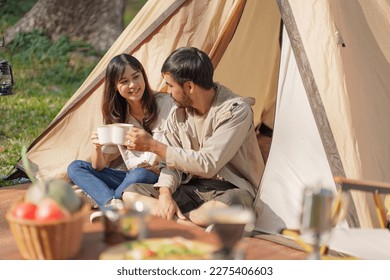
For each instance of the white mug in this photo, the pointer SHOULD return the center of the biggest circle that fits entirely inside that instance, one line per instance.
(104, 134)
(119, 131)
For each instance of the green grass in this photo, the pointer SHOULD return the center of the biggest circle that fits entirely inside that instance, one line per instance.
(46, 75)
(132, 8)
(12, 10)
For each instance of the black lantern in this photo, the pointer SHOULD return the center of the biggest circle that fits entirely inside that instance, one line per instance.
(6, 76)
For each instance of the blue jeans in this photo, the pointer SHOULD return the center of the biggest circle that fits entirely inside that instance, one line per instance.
(107, 183)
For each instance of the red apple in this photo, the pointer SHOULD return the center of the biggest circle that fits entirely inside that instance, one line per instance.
(49, 210)
(25, 210)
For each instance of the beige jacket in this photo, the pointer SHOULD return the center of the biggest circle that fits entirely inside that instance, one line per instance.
(228, 149)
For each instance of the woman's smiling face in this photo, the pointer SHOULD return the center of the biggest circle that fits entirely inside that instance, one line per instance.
(131, 85)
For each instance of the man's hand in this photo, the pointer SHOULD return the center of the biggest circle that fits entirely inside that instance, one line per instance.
(138, 139)
(166, 207)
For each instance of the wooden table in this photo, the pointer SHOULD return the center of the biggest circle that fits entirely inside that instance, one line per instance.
(265, 247)
(92, 243)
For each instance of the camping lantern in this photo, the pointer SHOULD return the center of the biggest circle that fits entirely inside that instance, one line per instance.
(6, 78)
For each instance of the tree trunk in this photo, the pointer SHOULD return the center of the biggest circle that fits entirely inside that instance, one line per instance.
(97, 22)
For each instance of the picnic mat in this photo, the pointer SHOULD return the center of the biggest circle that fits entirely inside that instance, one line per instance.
(8, 196)
(263, 245)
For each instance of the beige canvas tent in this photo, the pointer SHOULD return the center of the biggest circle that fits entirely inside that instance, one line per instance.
(319, 72)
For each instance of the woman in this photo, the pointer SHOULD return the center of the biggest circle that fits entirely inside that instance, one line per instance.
(127, 98)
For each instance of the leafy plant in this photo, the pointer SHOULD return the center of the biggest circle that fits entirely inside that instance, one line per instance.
(26, 165)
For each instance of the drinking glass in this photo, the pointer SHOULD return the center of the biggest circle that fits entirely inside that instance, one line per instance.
(316, 219)
(231, 225)
(124, 222)
(133, 222)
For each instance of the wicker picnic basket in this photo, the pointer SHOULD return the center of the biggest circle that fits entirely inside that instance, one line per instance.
(54, 240)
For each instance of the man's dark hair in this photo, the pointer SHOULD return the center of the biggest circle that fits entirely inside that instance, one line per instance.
(190, 64)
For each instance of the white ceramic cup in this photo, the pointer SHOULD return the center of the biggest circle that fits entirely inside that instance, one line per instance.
(119, 131)
(104, 134)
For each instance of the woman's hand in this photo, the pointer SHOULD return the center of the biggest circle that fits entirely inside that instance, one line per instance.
(95, 139)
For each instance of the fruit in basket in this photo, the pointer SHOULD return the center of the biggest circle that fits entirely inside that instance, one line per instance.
(41, 224)
(35, 193)
(25, 210)
(56, 189)
(53, 199)
(49, 200)
(48, 210)
(63, 194)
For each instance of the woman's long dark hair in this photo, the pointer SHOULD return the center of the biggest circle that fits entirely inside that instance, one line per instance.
(115, 107)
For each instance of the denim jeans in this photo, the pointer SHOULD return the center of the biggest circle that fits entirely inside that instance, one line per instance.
(107, 183)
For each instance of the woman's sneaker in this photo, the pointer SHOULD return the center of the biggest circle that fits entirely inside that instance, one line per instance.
(86, 197)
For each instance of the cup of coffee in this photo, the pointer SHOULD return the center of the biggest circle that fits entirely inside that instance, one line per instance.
(104, 134)
(111, 220)
(231, 225)
(119, 131)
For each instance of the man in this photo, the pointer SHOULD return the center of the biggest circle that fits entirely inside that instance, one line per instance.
(213, 159)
